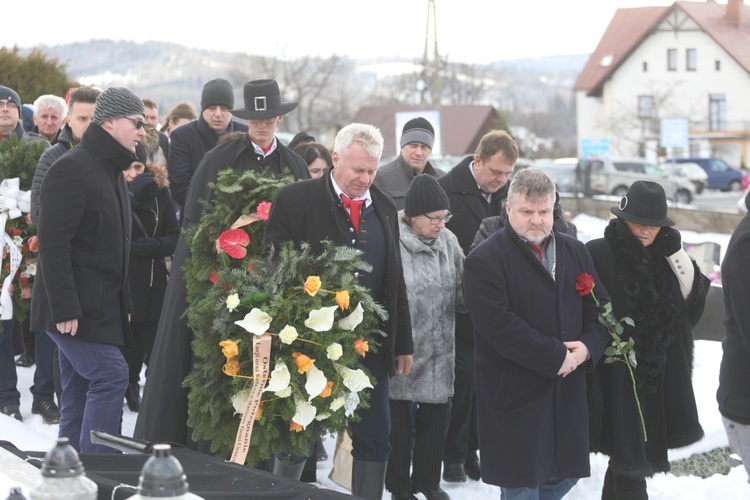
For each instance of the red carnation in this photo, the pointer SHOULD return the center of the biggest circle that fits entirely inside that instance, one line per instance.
(584, 284)
(233, 242)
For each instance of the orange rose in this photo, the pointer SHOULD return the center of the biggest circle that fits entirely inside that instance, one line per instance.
(259, 413)
(296, 427)
(232, 367)
(229, 348)
(33, 243)
(361, 347)
(312, 285)
(303, 362)
(327, 391)
(342, 299)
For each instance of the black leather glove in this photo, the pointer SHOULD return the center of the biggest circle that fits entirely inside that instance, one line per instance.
(142, 185)
(145, 247)
(671, 241)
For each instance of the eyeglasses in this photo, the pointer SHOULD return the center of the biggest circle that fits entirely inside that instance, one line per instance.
(8, 104)
(138, 123)
(436, 220)
(267, 121)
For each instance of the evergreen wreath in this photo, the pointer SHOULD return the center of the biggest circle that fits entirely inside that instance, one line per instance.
(322, 322)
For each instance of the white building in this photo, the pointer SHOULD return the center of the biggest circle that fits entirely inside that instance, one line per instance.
(690, 62)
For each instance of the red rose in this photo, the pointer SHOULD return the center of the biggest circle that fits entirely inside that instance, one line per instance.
(33, 243)
(233, 242)
(584, 284)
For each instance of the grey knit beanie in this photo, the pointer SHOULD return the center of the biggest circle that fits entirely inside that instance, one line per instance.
(11, 95)
(418, 130)
(217, 92)
(425, 195)
(116, 102)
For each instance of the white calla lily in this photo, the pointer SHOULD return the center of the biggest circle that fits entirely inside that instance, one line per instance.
(337, 403)
(351, 403)
(284, 393)
(321, 320)
(355, 380)
(280, 378)
(322, 416)
(239, 401)
(316, 382)
(353, 320)
(305, 413)
(255, 322)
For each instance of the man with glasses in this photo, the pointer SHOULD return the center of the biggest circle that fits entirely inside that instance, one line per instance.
(84, 230)
(477, 189)
(394, 178)
(191, 141)
(10, 123)
(163, 415)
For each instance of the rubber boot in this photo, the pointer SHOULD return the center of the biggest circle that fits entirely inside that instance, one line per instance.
(368, 479)
(292, 471)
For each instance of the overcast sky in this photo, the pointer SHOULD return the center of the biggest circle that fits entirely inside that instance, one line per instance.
(474, 31)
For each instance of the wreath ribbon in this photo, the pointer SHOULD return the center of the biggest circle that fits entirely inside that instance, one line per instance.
(261, 363)
(13, 202)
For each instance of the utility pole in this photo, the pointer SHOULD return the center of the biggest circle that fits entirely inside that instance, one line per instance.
(431, 65)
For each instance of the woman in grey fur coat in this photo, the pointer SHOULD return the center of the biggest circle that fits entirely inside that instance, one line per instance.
(433, 267)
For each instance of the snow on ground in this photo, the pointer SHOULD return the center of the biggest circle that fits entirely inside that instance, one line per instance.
(33, 434)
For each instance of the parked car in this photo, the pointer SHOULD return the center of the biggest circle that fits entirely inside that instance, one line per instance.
(614, 177)
(563, 175)
(720, 174)
(690, 171)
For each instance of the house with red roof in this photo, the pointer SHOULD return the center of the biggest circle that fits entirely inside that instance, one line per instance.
(669, 80)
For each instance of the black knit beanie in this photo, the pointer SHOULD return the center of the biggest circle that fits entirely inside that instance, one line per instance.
(217, 92)
(418, 130)
(424, 196)
(116, 102)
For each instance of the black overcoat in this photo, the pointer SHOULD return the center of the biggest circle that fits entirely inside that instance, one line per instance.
(84, 231)
(644, 287)
(532, 423)
(304, 212)
(163, 414)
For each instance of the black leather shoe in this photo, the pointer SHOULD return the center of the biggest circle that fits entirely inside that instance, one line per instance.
(12, 411)
(48, 410)
(133, 397)
(454, 473)
(436, 494)
(403, 496)
(25, 360)
(472, 469)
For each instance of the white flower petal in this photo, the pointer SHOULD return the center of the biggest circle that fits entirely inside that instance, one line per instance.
(355, 380)
(280, 378)
(322, 416)
(239, 401)
(321, 320)
(288, 334)
(255, 322)
(285, 393)
(334, 351)
(233, 300)
(354, 319)
(337, 403)
(316, 382)
(305, 413)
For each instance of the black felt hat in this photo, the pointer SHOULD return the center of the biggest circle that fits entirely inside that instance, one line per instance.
(645, 203)
(262, 101)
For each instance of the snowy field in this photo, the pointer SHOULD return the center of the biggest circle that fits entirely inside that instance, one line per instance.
(33, 434)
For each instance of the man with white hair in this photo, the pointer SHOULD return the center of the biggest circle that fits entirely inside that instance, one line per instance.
(49, 116)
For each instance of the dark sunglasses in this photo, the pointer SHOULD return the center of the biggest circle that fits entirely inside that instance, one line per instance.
(138, 123)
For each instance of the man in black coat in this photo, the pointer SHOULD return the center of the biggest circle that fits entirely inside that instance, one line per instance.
(476, 188)
(191, 141)
(317, 210)
(163, 413)
(82, 293)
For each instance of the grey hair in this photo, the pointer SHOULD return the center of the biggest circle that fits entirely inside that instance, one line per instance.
(531, 183)
(368, 136)
(51, 101)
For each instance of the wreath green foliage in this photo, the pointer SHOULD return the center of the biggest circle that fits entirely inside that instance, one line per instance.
(270, 282)
(19, 158)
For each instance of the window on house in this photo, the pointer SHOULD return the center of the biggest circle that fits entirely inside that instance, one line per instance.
(645, 106)
(672, 59)
(717, 65)
(717, 111)
(645, 66)
(691, 61)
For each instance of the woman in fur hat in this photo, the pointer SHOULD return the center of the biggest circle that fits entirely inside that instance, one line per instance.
(154, 237)
(433, 265)
(651, 279)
